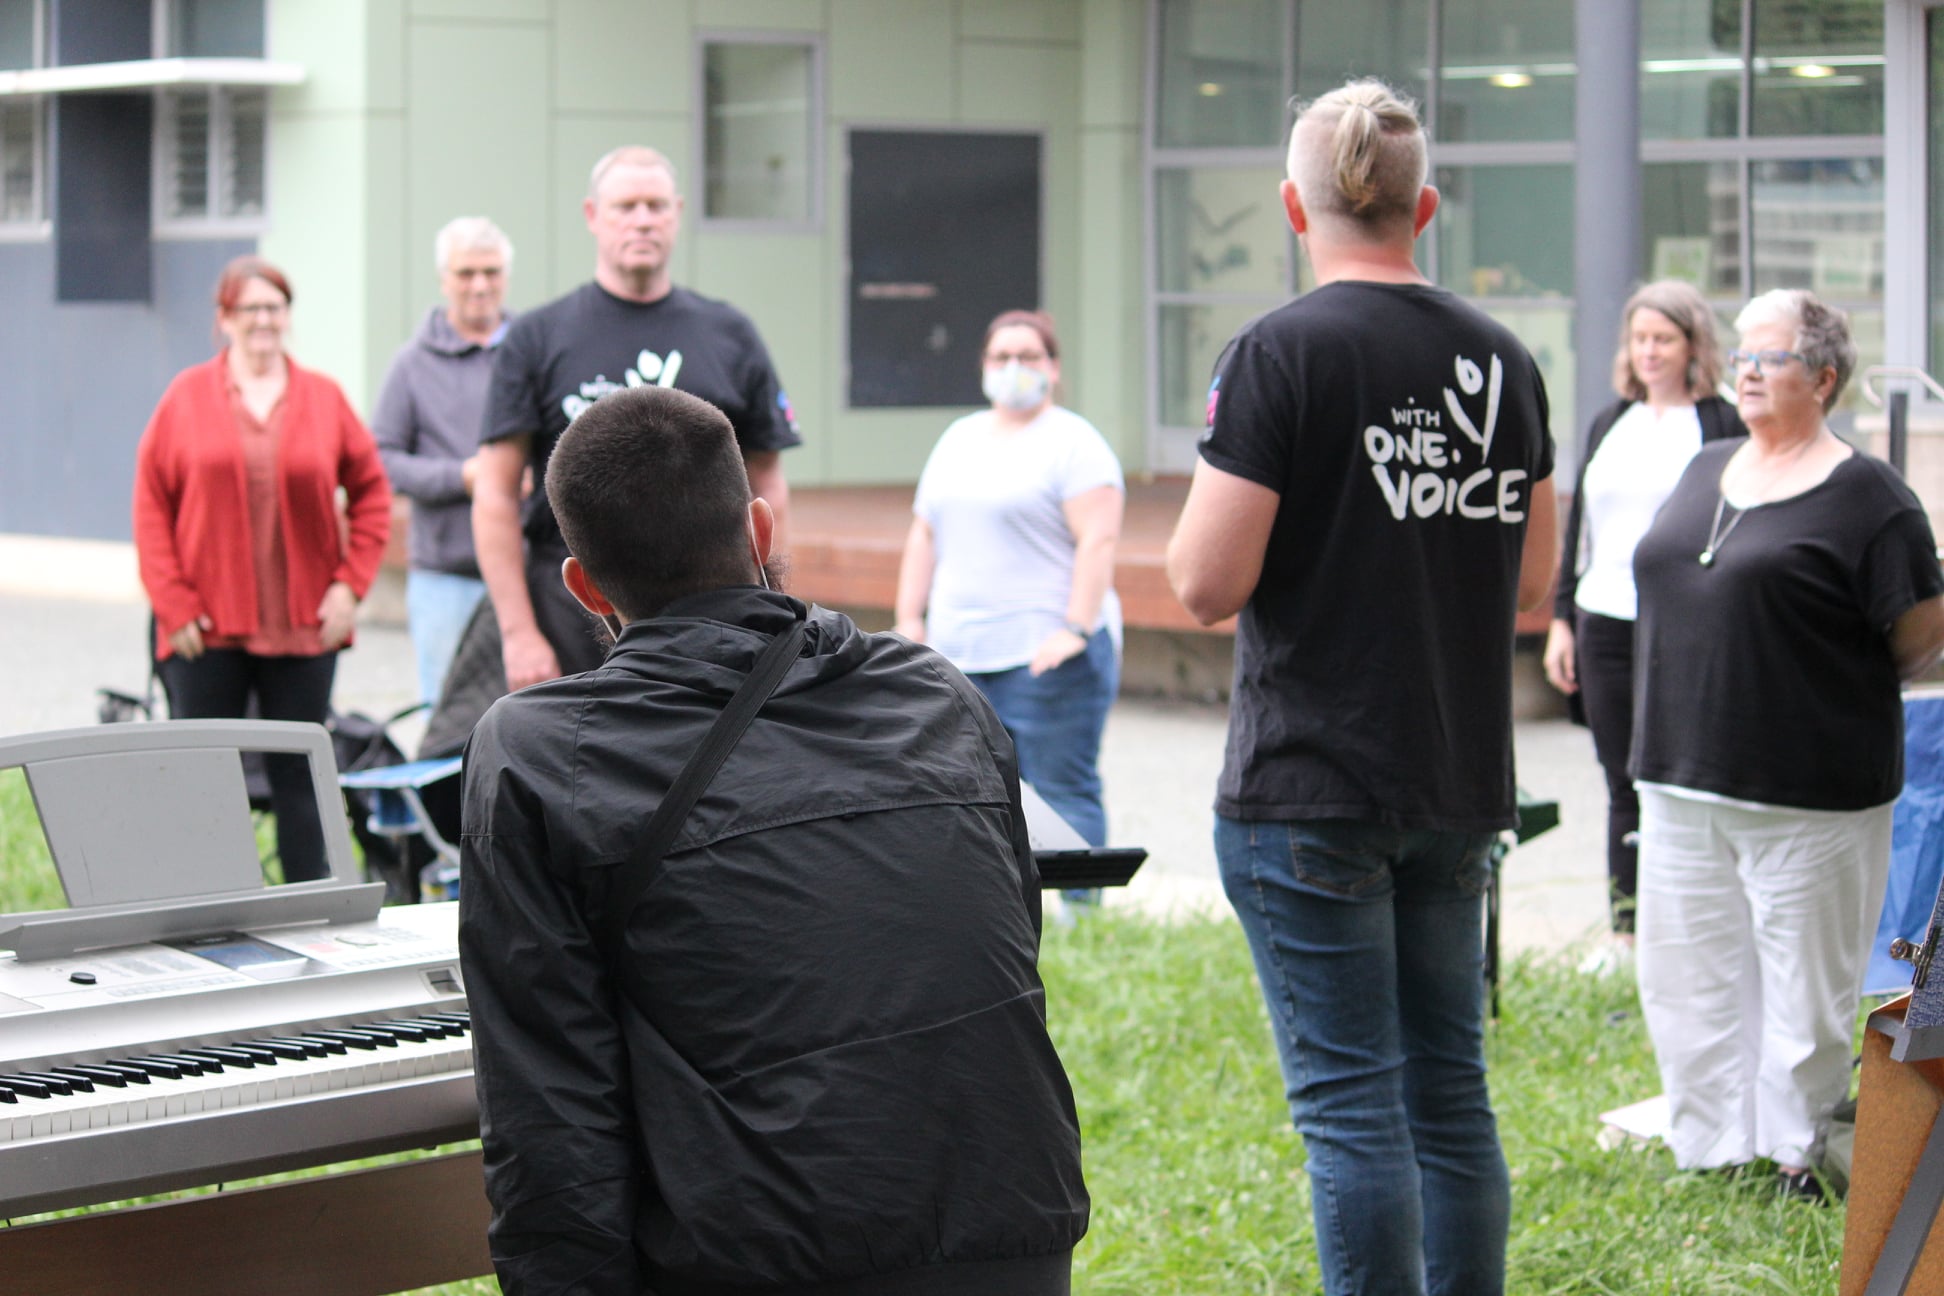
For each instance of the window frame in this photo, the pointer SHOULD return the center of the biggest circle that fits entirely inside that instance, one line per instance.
(162, 152)
(813, 43)
(40, 227)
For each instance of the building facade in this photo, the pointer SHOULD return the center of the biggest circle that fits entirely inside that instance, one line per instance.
(872, 179)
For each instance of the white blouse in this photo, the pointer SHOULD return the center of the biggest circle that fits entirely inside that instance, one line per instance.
(1631, 475)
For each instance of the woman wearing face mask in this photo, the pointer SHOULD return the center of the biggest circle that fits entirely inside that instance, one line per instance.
(1009, 567)
(254, 579)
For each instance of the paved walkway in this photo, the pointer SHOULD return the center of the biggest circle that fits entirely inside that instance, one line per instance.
(1159, 760)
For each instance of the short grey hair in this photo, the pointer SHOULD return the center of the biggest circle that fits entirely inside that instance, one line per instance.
(1822, 333)
(639, 155)
(1358, 153)
(470, 234)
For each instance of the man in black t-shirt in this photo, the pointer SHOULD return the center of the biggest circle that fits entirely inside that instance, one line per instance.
(629, 327)
(1374, 499)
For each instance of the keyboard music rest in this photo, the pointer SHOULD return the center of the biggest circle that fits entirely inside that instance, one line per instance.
(1065, 860)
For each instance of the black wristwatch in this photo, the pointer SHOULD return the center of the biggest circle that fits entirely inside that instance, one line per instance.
(1075, 628)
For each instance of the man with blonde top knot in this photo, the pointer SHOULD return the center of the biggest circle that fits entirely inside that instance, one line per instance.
(1374, 498)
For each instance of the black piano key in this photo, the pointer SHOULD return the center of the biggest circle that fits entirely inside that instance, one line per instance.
(214, 1057)
(279, 1048)
(8, 1096)
(163, 1069)
(462, 1020)
(360, 1037)
(98, 1075)
(450, 1030)
(406, 1031)
(60, 1084)
(331, 1046)
(126, 1070)
(256, 1052)
(190, 1063)
(27, 1087)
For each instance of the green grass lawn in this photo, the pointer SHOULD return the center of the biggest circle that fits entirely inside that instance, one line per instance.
(1197, 1177)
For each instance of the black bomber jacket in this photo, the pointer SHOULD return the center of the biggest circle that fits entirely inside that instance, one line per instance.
(846, 1085)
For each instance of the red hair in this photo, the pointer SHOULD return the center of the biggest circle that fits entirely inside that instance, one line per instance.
(229, 284)
(1038, 321)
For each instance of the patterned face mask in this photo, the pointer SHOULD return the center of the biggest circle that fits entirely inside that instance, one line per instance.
(1016, 387)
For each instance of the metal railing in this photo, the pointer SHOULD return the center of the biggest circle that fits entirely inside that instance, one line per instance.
(1897, 403)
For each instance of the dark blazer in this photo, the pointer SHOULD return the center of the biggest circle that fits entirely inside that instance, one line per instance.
(1719, 421)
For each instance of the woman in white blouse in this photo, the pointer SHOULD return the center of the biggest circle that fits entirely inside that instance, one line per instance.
(1666, 373)
(1008, 569)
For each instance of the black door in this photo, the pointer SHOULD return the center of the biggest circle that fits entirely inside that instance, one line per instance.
(944, 235)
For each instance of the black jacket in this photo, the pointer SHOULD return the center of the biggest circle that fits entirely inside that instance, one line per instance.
(1719, 421)
(847, 1084)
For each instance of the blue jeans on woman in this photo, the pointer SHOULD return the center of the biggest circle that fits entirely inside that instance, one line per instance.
(1369, 946)
(1056, 720)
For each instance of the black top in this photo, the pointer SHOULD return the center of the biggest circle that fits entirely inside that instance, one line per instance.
(561, 358)
(1766, 675)
(1719, 421)
(841, 1073)
(1404, 431)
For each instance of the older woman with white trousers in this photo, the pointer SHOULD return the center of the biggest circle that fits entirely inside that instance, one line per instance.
(1787, 587)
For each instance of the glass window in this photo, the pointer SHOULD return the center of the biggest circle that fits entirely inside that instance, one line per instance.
(17, 34)
(758, 134)
(20, 199)
(1690, 69)
(1819, 225)
(1505, 231)
(1191, 340)
(216, 28)
(1382, 38)
(1221, 230)
(1221, 79)
(1691, 223)
(1934, 120)
(1818, 68)
(1507, 70)
(211, 156)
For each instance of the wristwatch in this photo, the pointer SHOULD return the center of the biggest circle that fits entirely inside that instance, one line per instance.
(1075, 628)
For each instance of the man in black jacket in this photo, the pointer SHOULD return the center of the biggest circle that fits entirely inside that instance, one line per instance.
(819, 1063)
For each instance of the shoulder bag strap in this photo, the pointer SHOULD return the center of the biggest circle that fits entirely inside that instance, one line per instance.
(632, 878)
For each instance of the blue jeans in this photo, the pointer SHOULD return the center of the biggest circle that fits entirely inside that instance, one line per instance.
(1056, 721)
(1369, 946)
(438, 605)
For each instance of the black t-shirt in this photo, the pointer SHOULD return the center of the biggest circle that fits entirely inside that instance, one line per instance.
(558, 360)
(1404, 431)
(1766, 675)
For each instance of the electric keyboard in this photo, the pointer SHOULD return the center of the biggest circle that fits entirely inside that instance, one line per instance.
(152, 1067)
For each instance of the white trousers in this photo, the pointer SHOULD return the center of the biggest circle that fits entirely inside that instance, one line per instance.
(1754, 927)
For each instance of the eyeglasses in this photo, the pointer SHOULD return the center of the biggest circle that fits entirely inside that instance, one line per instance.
(268, 310)
(1024, 357)
(1756, 360)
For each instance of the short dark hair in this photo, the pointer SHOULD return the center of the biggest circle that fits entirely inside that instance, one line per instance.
(650, 491)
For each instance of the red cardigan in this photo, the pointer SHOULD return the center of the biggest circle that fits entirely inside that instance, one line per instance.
(192, 526)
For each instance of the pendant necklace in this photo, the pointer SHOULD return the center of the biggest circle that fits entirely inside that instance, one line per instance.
(1717, 535)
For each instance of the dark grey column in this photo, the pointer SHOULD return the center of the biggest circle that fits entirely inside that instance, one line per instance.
(1606, 190)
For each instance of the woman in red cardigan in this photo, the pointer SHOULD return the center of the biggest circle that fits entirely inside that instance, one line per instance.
(254, 576)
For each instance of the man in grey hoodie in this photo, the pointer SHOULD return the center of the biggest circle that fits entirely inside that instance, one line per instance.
(427, 426)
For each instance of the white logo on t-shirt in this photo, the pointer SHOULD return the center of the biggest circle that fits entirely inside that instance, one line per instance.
(649, 368)
(1434, 482)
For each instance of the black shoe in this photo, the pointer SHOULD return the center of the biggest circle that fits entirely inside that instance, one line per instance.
(1802, 1185)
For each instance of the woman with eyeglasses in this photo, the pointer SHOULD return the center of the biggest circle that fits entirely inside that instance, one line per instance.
(1787, 588)
(1008, 569)
(1666, 372)
(253, 572)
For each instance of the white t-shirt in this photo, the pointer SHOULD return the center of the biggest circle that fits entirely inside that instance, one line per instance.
(1630, 477)
(1004, 555)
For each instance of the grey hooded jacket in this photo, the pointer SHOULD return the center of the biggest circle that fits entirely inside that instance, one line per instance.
(427, 424)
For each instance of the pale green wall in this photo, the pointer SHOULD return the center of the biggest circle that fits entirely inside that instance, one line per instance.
(416, 111)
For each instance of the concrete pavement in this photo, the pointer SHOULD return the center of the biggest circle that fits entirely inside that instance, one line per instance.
(1159, 760)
